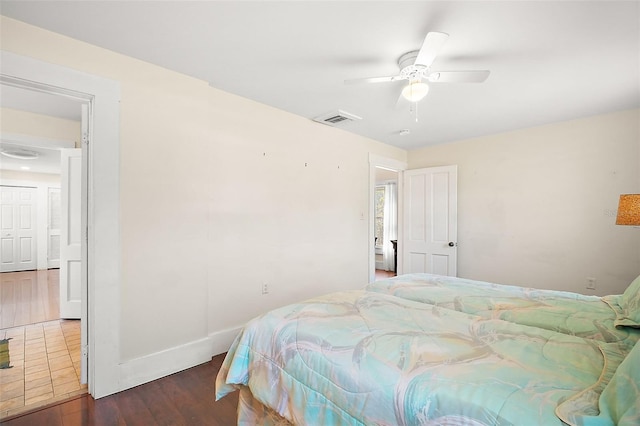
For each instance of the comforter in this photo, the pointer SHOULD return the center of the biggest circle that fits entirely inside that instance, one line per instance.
(365, 357)
(591, 317)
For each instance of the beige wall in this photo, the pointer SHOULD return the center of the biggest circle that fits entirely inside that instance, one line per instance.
(537, 206)
(26, 123)
(297, 196)
(216, 199)
(20, 176)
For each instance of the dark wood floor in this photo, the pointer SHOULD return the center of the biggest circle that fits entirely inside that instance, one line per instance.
(380, 274)
(185, 398)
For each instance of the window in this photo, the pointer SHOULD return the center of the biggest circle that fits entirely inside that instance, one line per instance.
(379, 214)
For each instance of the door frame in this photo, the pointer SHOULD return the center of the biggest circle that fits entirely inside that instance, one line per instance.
(101, 203)
(377, 161)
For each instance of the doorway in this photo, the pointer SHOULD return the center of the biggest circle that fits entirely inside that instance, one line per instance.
(44, 349)
(385, 184)
(100, 204)
(386, 222)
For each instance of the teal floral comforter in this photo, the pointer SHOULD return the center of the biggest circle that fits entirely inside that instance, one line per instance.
(367, 358)
(570, 313)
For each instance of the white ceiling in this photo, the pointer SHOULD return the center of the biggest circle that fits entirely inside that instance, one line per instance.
(550, 60)
(39, 102)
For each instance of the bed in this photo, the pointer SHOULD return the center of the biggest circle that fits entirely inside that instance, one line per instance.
(428, 350)
(593, 317)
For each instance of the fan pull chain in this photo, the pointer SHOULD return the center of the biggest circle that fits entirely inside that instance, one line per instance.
(413, 109)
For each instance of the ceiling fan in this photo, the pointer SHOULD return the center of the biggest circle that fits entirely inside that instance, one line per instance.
(415, 66)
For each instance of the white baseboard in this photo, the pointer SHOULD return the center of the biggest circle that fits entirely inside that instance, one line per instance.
(151, 367)
(222, 340)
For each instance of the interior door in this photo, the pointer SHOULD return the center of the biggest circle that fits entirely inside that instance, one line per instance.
(70, 233)
(18, 236)
(430, 221)
(53, 229)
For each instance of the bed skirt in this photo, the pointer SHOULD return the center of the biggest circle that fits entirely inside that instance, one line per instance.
(253, 412)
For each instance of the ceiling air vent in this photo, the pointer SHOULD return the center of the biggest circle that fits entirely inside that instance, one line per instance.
(337, 118)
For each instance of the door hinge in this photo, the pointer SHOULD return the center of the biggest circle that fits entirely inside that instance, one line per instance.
(85, 138)
(85, 352)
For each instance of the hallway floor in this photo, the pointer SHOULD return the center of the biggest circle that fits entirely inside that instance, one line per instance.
(29, 297)
(44, 351)
(45, 366)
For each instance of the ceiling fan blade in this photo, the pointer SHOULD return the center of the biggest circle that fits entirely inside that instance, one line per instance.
(432, 44)
(373, 80)
(458, 76)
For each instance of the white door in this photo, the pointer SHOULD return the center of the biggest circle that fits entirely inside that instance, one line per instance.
(18, 235)
(53, 229)
(70, 233)
(428, 242)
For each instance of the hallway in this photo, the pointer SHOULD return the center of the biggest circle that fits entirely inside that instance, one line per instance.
(44, 351)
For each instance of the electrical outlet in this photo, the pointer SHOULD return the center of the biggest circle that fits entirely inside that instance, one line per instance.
(265, 288)
(591, 283)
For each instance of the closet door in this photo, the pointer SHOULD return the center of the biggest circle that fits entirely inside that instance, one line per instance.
(18, 237)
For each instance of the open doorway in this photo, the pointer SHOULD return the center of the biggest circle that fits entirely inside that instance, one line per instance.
(44, 350)
(385, 183)
(100, 208)
(386, 222)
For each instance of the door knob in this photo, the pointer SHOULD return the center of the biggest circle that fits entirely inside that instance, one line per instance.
(451, 244)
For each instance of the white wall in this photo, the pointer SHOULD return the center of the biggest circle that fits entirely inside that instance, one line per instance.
(215, 199)
(537, 206)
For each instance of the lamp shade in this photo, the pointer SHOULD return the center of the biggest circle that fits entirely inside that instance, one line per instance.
(629, 210)
(415, 91)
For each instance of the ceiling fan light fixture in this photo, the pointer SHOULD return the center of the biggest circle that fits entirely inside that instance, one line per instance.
(415, 91)
(20, 154)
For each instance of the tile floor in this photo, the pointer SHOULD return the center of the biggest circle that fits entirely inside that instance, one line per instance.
(45, 360)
